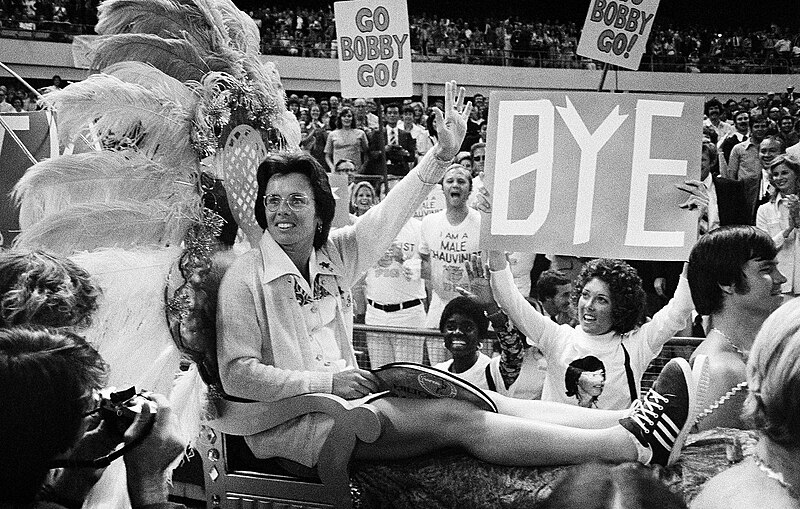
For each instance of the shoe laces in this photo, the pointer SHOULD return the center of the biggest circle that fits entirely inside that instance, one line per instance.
(648, 409)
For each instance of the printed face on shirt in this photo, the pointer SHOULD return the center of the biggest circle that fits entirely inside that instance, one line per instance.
(591, 383)
(784, 179)
(461, 335)
(292, 228)
(594, 307)
(768, 150)
(456, 186)
(761, 291)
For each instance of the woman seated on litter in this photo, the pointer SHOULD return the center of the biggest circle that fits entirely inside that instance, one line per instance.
(285, 328)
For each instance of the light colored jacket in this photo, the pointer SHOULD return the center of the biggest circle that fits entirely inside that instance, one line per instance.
(268, 312)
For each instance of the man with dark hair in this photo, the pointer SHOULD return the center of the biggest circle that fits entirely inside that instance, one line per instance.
(741, 124)
(399, 145)
(745, 164)
(49, 380)
(713, 112)
(734, 280)
(554, 291)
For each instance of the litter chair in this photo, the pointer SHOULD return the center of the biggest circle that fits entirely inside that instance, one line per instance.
(229, 469)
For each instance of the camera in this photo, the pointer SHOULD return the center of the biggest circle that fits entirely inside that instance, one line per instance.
(120, 408)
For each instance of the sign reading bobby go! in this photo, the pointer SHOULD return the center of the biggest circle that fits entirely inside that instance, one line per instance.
(592, 174)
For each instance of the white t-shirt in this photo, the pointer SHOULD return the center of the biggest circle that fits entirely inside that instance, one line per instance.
(432, 204)
(562, 345)
(449, 247)
(476, 375)
(396, 276)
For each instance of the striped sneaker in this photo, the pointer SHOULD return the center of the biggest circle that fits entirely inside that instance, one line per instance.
(662, 418)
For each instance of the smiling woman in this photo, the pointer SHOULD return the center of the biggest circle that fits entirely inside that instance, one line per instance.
(780, 218)
(610, 303)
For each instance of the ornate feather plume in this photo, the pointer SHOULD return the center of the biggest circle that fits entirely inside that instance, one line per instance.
(165, 18)
(123, 224)
(121, 114)
(178, 58)
(54, 185)
(152, 79)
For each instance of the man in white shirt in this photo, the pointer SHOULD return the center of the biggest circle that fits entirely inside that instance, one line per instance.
(5, 107)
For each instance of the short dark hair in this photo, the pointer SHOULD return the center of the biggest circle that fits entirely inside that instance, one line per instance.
(548, 282)
(468, 307)
(285, 163)
(718, 258)
(45, 289)
(713, 102)
(47, 379)
(758, 117)
(628, 299)
(576, 368)
(598, 485)
(407, 108)
(392, 105)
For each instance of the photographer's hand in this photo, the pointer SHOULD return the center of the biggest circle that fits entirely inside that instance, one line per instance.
(147, 462)
(71, 485)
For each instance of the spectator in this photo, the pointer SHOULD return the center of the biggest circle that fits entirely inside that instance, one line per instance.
(346, 142)
(780, 217)
(362, 198)
(48, 379)
(744, 161)
(449, 238)
(5, 107)
(610, 303)
(554, 296)
(399, 146)
(735, 281)
(464, 326)
(770, 477)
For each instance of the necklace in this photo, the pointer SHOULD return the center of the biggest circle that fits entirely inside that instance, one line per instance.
(730, 342)
(774, 474)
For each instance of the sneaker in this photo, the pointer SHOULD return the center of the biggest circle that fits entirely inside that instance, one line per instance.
(663, 417)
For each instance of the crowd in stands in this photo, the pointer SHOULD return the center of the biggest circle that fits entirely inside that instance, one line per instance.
(513, 41)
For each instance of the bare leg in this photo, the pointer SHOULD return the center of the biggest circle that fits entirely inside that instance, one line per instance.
(557, 413)
(413, 427)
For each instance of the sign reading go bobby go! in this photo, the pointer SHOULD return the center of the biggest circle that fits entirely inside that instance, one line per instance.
(616, 31)
(374, 48)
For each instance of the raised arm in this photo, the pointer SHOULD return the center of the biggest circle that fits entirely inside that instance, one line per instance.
(532, 323)
(380, 225)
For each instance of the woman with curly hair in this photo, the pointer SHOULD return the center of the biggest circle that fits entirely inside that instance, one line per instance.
(610, 306)
(44, 289)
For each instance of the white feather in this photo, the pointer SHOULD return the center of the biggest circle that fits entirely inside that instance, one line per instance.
(109, 109)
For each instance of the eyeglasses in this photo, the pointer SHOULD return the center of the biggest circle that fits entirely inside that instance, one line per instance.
(296, 202)
(479, 159)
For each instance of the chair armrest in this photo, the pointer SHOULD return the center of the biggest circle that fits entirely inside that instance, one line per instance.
(236, 418)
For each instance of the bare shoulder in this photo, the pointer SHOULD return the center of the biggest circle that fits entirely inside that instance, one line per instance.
(743, 487)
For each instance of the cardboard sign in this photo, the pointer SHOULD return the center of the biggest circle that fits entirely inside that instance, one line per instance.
(37, 131)
(374, 48)
(616, 31)
(341, 193)
(592, 174)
